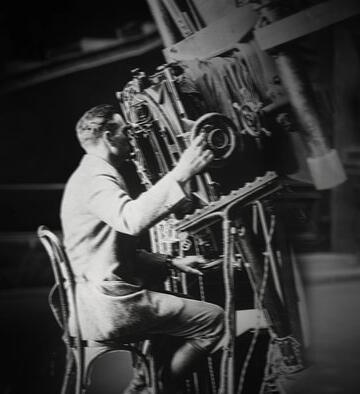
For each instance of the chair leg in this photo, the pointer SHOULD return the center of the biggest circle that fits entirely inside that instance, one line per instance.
(151, 367)
(80, 373)
(153, 376)
(69, 366)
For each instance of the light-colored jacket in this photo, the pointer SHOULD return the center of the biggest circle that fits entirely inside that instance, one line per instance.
(100, 224)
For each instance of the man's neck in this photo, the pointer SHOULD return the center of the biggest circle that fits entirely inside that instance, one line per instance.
(103, 153)
(98, 153)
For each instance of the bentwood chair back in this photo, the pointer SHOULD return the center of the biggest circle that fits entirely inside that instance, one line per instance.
(81, 353)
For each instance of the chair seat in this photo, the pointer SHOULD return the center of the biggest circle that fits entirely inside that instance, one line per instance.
(121, 342)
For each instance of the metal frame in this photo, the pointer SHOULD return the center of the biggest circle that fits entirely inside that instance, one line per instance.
(227, 384)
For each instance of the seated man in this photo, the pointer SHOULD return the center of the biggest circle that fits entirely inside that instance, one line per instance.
(101, 225)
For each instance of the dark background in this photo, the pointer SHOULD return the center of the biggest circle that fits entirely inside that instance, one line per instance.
(38, 151)
(37, 140)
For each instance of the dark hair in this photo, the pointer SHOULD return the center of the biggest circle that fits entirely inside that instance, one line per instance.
(93, 123)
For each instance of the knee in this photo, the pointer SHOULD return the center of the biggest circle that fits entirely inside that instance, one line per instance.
(216, 329)
(210, 328)
(214, 320)
(218, 315)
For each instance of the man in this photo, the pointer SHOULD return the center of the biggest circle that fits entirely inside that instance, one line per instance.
(101, 225)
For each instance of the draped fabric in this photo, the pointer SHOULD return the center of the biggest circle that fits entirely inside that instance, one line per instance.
(243, 75)
(238, 77)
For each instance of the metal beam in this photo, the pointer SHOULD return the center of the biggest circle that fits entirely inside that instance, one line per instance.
(305, 22)
(50, 70)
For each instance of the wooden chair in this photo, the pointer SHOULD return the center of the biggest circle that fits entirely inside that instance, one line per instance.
(81, 353)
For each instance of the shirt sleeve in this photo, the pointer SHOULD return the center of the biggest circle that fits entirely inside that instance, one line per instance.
(108, 199)
(154, 263)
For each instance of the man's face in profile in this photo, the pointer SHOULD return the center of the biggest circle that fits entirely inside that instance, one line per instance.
(120, 139)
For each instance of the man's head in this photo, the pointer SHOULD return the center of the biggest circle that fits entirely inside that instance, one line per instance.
(103, 128)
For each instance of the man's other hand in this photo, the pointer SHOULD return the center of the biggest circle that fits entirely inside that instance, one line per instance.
(189, 264)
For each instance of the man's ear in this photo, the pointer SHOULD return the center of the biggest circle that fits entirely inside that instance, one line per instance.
(109, 138)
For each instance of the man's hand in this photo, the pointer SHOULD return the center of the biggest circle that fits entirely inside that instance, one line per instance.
(188, 264)
(193, 160)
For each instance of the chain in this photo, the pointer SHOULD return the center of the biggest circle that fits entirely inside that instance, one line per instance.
(259, 299)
